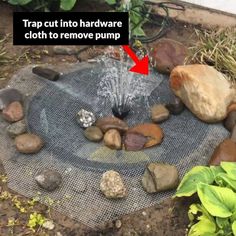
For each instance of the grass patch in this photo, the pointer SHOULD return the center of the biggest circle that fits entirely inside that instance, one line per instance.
(3, 57)
(216, 48)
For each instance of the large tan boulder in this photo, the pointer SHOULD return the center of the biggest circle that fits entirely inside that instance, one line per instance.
(204, 90)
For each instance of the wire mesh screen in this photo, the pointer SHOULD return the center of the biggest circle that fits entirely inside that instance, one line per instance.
(51, 108)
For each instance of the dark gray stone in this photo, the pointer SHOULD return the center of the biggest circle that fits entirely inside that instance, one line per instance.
(176, 106)
(48, 179)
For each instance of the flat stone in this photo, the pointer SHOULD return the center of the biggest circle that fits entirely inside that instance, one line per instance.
(16, 128)
(13, 112)
(159, 113)
(225, 151)
(28, 143)
(230, 121)
(48, 179)
(112, 185)
(8, 96)
(176, 106)
(134, 141)
(160, 177)
(93, 134)
(167, 54)
(112, 139)
(111, 122)
(152, 131)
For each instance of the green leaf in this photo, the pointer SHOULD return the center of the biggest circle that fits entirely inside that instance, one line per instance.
(206, 226)
(234, 228)
(19, 2)
(222, 223)
(223, 180)
(218, 201)
(110, 2)
(230, 169)
(67, 5)
(216, 170)
(188, 185)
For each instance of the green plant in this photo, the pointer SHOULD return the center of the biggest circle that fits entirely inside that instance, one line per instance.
(44, 5)
(35, 220)
(216, 48)
(216, 189)
(138, 14)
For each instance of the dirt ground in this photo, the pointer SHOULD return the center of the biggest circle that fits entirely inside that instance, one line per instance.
(168, 218)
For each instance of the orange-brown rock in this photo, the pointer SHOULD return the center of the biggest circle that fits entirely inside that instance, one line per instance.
(153, 132)
(225, 151)
(111, 122)
(205, 91)
(231, 107)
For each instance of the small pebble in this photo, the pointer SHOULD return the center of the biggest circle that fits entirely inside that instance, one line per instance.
(16, 128)
(93, 134)
(176, 106)
(159, 113)
(118, 224)
(13, 112)
(112, 139)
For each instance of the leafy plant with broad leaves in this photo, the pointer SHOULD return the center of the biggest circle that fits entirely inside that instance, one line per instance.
(44, 5)
(136, 14)
(216, 189)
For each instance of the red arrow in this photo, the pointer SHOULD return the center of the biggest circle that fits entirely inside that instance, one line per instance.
(141, 66)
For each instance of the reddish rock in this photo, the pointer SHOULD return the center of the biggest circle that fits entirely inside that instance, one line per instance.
(28, 143)
(134, 141)
(153, 132)
(225, 151)
(13, 112)
(111, 122)
(168, 54)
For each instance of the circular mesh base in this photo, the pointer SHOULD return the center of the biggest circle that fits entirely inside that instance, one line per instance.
(51, 110)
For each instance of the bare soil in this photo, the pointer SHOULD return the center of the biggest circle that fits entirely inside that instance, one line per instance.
(168, 218)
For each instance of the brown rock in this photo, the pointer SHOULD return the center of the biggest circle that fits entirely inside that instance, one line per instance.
(160, 177)
(225, 151)
(230, 121)
(153, 132)
(93, 134)
(205, 91)
(233, 134)
(112, 139)
(134, 141)
(28, 143)
(110, 122)
(159, 113)
(168, 54)
(13, 112)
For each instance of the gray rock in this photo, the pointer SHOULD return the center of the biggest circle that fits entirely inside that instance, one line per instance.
(160, 177)
(230, 121)
(159, 113)
(93, 134)
(16, 128)
(85, 118)
(8, 96)
(48, 179)
(65, 50)
(112, 185)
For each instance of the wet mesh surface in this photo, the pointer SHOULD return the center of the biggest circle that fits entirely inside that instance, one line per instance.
(51, 109)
